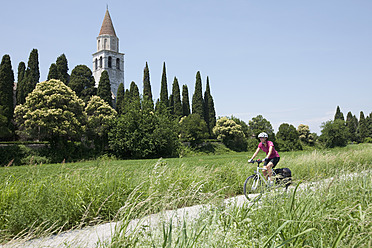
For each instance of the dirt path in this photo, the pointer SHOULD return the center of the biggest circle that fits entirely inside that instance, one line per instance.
(91, 236)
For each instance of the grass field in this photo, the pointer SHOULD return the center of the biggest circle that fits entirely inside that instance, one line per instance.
(40, 199)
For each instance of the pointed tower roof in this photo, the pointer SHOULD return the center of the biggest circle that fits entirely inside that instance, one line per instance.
(107, 26)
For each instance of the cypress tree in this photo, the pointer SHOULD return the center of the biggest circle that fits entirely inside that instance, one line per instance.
(32, 76)
(185, 101)
(21, 71)
(82, 82)
(164, 88)
(197, 98)
(177, 105)
(21, 76)
(369, 118)
(362, 128)
(157, 106)
(120, 99)
(62, 69)
(148, 102)
(126, 102)
(369, 124)
(171, 104)
(53, 72)
(33, 66)
(134, 96)
(352, 126)
(339, 115)
(209, 110)
(146, 83)
(6, 88)
(104, 88)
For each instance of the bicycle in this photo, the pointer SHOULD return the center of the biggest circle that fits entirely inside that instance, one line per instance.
(257, 183)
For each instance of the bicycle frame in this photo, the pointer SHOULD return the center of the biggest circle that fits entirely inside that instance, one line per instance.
(258, 172)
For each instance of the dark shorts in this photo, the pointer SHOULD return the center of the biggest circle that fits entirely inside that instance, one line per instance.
(275, 161)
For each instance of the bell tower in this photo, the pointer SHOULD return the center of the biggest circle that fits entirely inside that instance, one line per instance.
(108, 58)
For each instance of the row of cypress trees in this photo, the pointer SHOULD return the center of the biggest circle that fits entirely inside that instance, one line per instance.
(82, 82)
(173, 104)
(358, 130)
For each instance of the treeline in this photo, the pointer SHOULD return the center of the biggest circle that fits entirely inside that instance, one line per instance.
(78, 121)
(340, 131)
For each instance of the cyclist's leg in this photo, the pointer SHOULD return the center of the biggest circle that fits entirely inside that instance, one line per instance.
(269, 167)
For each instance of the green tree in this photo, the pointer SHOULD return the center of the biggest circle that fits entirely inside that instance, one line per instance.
(126, 102)
(352, 125)
(304, 134)
(259, 124)
(33, 66)
(21, 75)
(120, 99)
(339, 115)
(193, 129)
(369, 124)
(99, 116)
(104, 88)
(209, 110)
(177, 105)
(52, 112)
(6, 94)
(32, 76)
(231, 134)
(245, 128)
(197, 98)
(53, 72)
(5, 131)
(62, 69)
(143, 134)
(134, 96)
(82, 82)
(171, 105)
(363, 131)
(334, 133)
(288, 138)
(147, 93)
(21, 71)
(185, 101)
(164, 88)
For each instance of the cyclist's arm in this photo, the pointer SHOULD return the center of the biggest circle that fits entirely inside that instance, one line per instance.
(255, 154)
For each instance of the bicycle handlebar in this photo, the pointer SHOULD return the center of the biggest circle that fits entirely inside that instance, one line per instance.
(258, 161)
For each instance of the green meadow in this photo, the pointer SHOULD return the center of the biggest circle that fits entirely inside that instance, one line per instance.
(40, 199)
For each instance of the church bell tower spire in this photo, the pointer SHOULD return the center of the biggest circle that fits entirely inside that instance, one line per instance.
(108, 58)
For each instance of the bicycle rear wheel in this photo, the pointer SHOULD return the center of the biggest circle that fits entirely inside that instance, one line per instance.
(252, 187)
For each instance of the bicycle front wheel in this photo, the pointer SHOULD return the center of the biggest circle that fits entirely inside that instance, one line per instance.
(252, 187)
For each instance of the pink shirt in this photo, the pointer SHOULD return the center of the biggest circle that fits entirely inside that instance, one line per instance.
(274, 153)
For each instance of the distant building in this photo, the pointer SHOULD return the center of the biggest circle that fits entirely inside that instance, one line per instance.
(108, 56)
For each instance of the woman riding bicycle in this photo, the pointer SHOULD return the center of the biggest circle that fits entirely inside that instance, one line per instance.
(272, 156)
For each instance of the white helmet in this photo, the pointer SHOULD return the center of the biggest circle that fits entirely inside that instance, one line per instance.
(263, 135)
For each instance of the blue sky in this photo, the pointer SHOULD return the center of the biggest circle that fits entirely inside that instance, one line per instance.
(290, 61)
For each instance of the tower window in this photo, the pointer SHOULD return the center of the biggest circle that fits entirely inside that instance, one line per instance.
(100, 62)
(96, 63)
(105, 44)
(118, 63)
(109, 61)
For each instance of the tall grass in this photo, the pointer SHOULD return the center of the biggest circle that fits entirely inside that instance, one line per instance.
(39, 199)
(336, 215)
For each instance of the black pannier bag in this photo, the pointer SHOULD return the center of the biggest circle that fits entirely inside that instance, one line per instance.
(283, 176)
